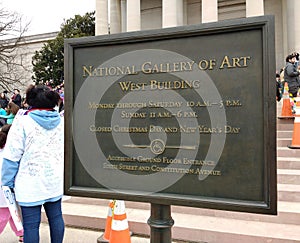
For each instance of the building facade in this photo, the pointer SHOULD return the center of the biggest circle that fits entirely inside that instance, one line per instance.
(24, 52)
(116, 16)
(133, 15)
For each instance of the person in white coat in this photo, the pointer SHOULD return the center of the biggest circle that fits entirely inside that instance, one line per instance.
(33, 163)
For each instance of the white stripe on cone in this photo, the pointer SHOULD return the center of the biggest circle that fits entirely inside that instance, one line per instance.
(119, 225)
(119, 210)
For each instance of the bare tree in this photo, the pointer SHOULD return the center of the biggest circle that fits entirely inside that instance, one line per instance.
(11, 61)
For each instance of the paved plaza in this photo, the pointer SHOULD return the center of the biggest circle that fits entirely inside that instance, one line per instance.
(72, 235)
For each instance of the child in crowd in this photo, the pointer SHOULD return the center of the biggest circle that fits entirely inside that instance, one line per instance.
(5, 215)
(11, 110)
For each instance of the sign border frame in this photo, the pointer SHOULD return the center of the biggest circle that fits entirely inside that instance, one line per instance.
(267, 26)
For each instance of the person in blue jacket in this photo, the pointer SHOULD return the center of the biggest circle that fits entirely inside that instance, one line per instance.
(11, 111)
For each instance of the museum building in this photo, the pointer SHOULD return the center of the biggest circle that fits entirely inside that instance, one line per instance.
(116, 16)
(135, 15)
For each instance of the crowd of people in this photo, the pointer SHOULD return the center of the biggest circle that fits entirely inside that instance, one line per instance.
(289, 75)
(10, 104)
(32, 159)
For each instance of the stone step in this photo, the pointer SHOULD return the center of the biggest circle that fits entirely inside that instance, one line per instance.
(285, 126)
(288, 163)
(289, 192)
(288, 213)
(286, 210)
(284, 142)
(216, 230)
(287, 152)
(284, 134)
(194, 224)
(285, 176)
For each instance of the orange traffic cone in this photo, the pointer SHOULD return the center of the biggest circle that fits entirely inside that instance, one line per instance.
(296, 132)
(105, 237)
(119, 227)
(286, 112)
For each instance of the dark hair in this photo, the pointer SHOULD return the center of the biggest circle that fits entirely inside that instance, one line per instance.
(5, 128)
(12, 108)
(3, 134)
(295, 54)
(292, 55)
(289, 57)
(40, 96)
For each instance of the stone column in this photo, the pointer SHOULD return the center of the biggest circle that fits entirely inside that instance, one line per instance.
(101, 24)
(172, 13)
(284, 29)
(115, 16)
(292, 25)
(209, 11)
(123, 15)
(184, 11)
(133, 15)
(254, 8)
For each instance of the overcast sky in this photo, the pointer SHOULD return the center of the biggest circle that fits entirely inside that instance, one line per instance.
(47, 15)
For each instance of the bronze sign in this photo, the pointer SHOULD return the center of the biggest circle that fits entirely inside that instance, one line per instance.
(180, 116)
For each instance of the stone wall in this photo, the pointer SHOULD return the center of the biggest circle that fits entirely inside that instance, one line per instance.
(25, 51)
